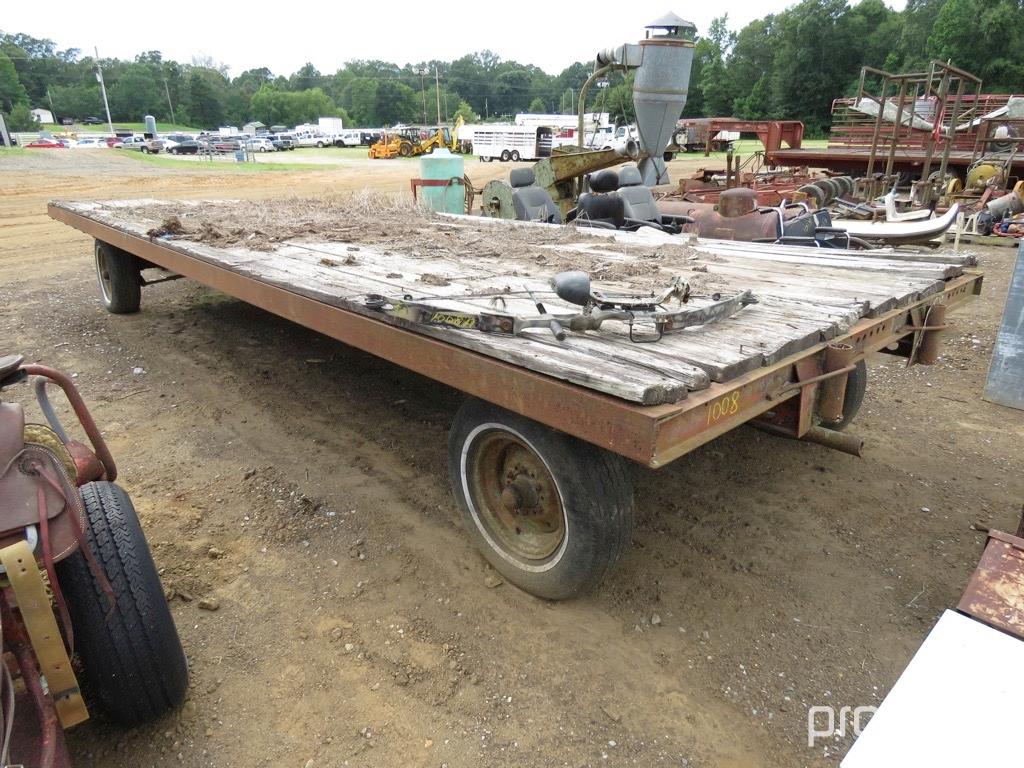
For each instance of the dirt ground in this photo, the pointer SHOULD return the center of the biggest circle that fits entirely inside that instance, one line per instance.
(302, 484)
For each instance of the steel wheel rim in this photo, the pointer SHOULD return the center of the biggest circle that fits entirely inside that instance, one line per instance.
(103, 274)
(514, 498)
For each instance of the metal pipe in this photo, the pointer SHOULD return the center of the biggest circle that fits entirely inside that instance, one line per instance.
(931, 340)
(81, 411)
(837, 441)
(47, 408)
(833, 390)
(581, 102)
(901, 99)
(830, 438)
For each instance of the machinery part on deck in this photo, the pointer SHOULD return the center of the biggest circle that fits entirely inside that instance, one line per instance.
(558, 173)
(496, 200)
(763, 224)
(662, 63)
(120, 278)
(833, 391)
(550, 513)
(646, 318)
(132, 656)
(738, 201)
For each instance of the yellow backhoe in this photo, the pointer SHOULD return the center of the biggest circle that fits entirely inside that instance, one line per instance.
(409, 145)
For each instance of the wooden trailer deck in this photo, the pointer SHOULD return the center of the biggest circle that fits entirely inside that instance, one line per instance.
(651, 402)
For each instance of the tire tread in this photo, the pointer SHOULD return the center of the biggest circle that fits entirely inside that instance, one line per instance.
(132, 658)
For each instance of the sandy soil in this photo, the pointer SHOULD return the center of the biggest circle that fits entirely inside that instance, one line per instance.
(302, 484)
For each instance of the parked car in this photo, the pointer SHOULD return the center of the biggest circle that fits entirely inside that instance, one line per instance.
(179, 144)
(92, 121)
(369, 138)
(260, 144)
(282, 141)
(226, 145)
(185, 147)
(141, 144)
(92, 142)
(45, 144)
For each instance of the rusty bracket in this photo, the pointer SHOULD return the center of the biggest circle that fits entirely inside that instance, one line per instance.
(927, 334)
(792, 387)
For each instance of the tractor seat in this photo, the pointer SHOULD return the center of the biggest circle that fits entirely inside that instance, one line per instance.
(532, 203)
(640, 204)
(600, 207)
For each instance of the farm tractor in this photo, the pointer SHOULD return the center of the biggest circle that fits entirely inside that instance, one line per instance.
(80, 597)
(411, 144)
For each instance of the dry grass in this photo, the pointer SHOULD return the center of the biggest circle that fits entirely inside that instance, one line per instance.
(394, 223)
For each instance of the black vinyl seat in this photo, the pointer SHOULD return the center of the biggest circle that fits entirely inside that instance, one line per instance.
(600, 207)
(641, 208)
(532, 203)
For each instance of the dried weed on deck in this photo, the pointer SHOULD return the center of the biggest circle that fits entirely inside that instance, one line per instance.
(394, 223)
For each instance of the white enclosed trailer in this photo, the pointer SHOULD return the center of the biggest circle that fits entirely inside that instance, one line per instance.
(512, 142)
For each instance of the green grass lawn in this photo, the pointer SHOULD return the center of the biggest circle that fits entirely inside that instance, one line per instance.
(225, 165)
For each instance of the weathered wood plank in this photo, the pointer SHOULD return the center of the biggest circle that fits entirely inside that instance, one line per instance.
(806, 296)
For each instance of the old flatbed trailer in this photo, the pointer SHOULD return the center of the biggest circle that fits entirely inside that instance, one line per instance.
(536, 456)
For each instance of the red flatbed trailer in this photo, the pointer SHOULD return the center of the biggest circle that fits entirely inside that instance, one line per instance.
(536, 455)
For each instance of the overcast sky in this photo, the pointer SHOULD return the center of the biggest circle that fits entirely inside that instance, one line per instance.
(284, 34)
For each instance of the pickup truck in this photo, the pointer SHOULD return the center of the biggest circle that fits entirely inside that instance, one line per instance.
(140, 144)
(313, 140)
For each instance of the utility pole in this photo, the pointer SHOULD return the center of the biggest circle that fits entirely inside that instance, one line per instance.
(422, 71)
(49, 98)
(437, 92)
(168, 92)
(103, 89)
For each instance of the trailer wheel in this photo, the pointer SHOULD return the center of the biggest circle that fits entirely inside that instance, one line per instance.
(119, 275)
(514, 156)
(856, 386)
(505, 155)
(132, 657)
(551, 513)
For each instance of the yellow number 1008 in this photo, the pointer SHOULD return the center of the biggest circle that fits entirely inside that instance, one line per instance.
(726, 405)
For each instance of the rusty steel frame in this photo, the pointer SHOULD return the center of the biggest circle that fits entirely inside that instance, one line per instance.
(650, 435)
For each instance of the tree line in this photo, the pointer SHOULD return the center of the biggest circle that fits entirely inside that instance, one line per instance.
(787, 65)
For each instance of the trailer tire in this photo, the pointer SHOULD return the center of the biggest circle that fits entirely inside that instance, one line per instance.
(505, 155)
(856, 386)
(576, 498)
(119, 275)
(133, 660)
(514, 156)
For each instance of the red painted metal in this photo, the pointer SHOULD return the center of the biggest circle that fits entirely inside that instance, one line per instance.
(81, 411)
(995, 593)
(37, 739)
